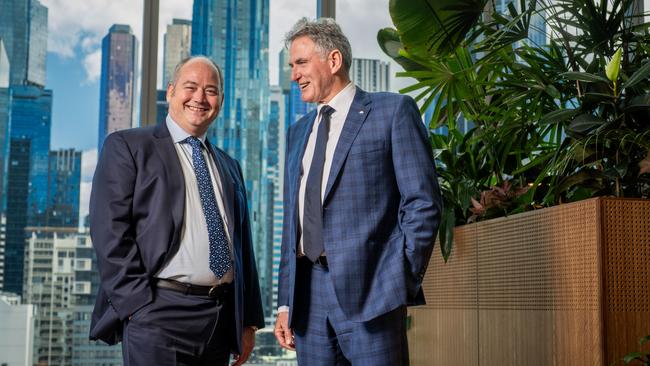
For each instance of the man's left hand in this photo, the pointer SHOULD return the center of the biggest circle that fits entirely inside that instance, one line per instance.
(247, 345)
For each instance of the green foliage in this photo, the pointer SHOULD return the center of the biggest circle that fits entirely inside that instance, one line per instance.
(641, 358)
(551, 123)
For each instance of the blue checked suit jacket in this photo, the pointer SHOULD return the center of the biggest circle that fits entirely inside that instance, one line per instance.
(381, 208)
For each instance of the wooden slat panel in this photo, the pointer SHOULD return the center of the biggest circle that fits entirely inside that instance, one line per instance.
(627, 274)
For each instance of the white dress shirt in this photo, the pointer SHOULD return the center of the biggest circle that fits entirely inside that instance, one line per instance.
(341, 104)
(191, 263)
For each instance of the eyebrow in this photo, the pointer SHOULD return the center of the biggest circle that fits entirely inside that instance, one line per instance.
(192, 83)
(299, 60)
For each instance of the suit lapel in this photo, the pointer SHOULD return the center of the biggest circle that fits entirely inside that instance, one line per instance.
(228, 186)
(302, 136)
(174, 174)
(356, 116)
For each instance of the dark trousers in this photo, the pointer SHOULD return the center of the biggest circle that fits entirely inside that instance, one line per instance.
(177, 329)
(325, 337)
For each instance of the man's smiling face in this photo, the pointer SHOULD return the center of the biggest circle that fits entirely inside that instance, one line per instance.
(311, 70)
(195, 98)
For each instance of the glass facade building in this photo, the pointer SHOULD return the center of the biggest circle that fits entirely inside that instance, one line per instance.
(23, 29)
(27, 174)
(117, 84)
(235, 35)
(64, 188)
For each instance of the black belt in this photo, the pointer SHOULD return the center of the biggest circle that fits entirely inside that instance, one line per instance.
(216, 292)
(322, 260)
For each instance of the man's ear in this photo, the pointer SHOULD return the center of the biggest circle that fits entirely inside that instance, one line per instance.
(335, 60)
(170, 92)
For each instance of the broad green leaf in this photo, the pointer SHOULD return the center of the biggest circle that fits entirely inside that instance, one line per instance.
(585, 123)
(434, 27)
(559, 115)
(614, 66)
(640, 102)
(584, 76)
(641, 74)
(633, 356)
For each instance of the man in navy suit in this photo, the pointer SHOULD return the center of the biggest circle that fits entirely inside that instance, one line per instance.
(361, 211)
(169, 222)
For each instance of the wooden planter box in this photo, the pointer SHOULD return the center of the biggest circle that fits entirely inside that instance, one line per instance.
(566, 285)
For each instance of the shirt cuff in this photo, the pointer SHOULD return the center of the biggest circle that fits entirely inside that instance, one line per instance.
(283, 309)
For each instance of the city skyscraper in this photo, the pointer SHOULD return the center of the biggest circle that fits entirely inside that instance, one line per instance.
(49, 273)
(370, 75)
(5, 111)
(118, 78)
(64, 188)
(284, 75)
(177, 46)
(235, 35)
(23, 29)
(27, 174)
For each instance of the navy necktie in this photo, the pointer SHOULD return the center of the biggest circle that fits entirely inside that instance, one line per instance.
(219, 251)
(312, 221)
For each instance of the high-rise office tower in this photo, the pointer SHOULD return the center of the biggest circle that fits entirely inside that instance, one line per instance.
(296, 108)
(118, 78)
(5, 112)
(370, 75)
(234, 34)
(284, 75)
(275, 150)
(86, 284)
(64, 188)
(23, 29)
(27, 174)
(177, 46)
(3, 242)
(49, 271)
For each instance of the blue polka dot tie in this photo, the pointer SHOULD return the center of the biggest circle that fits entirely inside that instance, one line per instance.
(219, 251)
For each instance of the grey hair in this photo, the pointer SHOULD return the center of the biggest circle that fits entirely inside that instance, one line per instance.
(326, 34)
(204, 59)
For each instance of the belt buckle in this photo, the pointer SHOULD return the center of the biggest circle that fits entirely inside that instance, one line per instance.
(213, 292)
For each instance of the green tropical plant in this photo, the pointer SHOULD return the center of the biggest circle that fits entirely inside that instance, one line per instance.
(555, 122)
(640, 358)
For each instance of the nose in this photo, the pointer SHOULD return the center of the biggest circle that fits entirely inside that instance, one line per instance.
(199, 95)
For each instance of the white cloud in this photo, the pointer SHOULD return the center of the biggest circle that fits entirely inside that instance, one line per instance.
(93, 65)
(88, 163)
(76, 27)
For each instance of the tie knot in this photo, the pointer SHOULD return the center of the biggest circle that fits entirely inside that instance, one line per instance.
(326, 111)
(194, 142)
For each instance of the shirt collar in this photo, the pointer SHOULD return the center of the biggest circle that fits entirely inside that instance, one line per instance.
(177, 133)
(343, 100)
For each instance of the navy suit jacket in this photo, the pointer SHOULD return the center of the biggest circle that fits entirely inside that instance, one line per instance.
(136, 216)
(381, 208)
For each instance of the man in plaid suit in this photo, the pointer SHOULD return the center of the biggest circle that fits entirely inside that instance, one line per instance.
(361, 211)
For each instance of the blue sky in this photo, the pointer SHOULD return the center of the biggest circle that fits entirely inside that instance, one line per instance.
(76, 104)
(76, 28)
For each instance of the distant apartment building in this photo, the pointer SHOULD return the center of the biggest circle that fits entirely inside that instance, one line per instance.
(16, 331)
(117, 84)
(370, 75)
(49, 285)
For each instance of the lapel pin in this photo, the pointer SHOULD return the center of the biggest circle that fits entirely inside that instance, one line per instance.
(360, 112)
